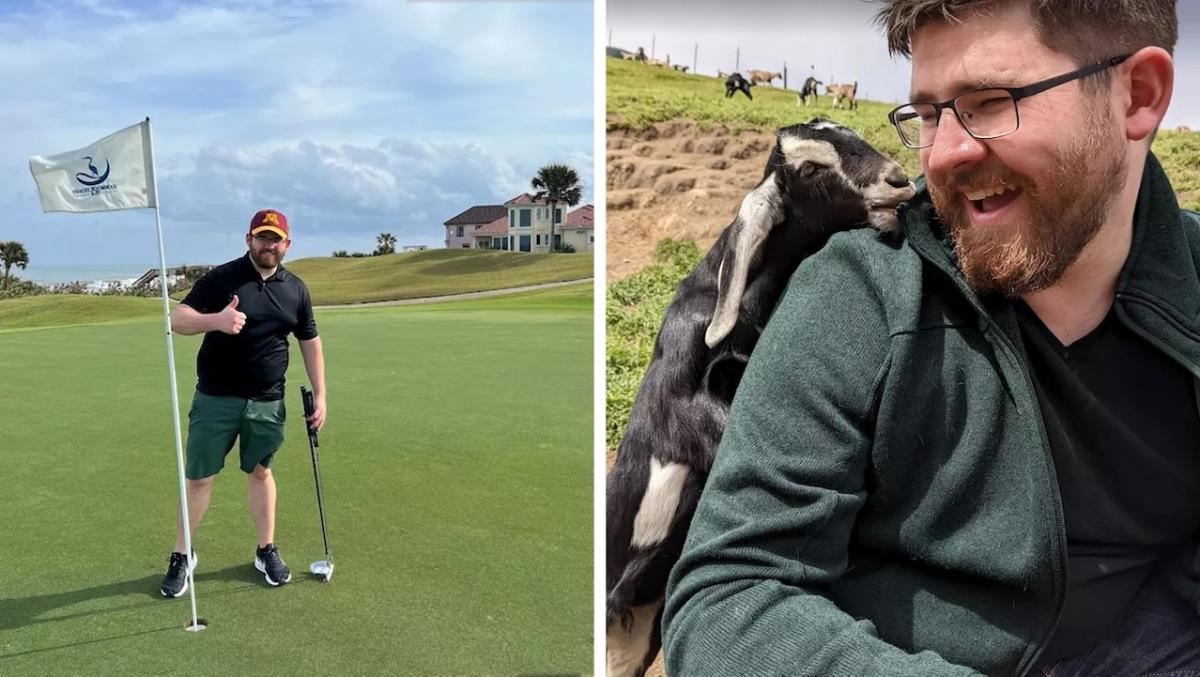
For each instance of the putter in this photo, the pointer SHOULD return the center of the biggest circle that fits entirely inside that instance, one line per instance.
(323, 569)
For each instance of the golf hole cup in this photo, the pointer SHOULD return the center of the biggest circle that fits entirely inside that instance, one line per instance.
(201, 624)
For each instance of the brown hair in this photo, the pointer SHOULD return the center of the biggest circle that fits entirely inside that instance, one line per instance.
(1088, 30)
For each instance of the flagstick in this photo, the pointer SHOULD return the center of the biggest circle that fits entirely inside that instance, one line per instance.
(162, 285)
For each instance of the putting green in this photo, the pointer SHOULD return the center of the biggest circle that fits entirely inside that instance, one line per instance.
(456, 466)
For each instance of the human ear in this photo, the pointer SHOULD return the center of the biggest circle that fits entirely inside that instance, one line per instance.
(1151, 80)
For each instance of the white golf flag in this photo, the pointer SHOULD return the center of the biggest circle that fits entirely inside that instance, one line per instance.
(114, 173)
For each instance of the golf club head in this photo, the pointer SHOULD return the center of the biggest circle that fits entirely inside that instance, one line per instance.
(322, 569)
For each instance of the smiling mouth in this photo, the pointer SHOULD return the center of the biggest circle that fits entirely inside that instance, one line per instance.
(988, 200)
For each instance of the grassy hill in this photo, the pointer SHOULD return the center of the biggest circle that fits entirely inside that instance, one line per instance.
(61, 310)
(640, 96)
(432, 272)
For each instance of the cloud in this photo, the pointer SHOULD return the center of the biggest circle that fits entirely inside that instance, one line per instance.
(357, 116)
(350, 192)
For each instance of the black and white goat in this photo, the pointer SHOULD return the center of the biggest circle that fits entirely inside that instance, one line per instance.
(821, 178)
(807, 91)
(736, 83)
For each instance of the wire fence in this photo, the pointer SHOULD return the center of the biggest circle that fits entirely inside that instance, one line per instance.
(721, 65)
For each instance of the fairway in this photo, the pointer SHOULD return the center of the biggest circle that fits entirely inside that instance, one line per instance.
(456, 468)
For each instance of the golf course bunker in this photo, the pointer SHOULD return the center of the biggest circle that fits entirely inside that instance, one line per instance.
(677, 180)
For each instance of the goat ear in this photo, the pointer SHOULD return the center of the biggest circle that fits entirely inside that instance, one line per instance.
(761, 210)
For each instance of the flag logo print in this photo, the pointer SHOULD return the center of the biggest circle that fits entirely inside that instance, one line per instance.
(94, 178)
(115, 172)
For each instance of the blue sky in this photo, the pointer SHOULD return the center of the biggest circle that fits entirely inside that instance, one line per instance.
(352, 117)
(826, 38)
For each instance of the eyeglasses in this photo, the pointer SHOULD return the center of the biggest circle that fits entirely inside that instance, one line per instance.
(267, 239)
(987, 113)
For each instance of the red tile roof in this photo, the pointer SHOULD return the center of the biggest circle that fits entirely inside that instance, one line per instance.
(580, 218)
(478, 214)
(495, 228)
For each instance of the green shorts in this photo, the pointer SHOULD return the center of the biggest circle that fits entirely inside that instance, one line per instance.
(214, 423)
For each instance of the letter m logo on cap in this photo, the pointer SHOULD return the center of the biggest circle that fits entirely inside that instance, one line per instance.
(270, 220)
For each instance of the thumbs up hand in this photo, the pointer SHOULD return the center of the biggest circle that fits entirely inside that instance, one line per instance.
(231, 320)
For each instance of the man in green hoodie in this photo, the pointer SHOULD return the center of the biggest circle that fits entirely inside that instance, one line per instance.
(973, 446)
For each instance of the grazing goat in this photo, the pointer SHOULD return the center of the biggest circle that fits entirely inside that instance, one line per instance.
(764, 77)
(808, 90)
(820, 178)
(680, 67)
(843, 93)
(736, 83)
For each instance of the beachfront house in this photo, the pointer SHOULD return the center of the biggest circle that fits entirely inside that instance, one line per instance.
(521, 225)
(529, 225)
(460, 230)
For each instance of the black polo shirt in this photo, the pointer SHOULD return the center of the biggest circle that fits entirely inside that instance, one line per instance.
(252, 363)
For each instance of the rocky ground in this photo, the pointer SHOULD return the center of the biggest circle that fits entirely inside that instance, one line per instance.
(676, 180)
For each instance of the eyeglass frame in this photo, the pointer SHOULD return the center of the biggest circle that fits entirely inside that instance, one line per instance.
(265, 238)
(1016, 93)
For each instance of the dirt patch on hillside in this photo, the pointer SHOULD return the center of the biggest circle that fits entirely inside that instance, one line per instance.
(676, 180)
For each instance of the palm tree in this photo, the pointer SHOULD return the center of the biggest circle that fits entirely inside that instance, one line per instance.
(386, 244)
(557, 184)
(13, 254)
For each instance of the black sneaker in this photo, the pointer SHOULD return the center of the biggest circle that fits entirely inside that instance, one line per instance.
(267, 560)
(175, 583)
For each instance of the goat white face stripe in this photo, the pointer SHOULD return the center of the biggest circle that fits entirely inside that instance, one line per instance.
(659, 503)
(798, 151)
(624, 652)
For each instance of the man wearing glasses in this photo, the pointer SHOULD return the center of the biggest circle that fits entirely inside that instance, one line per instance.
(246, 308)
(974, 446)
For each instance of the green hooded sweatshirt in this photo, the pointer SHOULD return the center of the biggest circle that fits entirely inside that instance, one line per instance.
(884, 501)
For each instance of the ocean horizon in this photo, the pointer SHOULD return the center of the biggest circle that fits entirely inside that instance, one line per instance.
(50, 274)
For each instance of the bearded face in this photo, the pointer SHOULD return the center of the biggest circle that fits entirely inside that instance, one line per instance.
(1031, 247)
(267, 250)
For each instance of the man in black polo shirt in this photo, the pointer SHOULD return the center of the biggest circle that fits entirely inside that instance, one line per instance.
(246, 308)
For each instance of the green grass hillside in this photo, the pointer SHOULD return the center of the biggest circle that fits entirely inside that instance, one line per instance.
(640, 95)
(58, 310)
(432, 272)
(336, 280)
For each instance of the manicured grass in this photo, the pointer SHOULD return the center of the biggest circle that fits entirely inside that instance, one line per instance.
(433, 272)
(456, 467)
(640, 96)
(54, 310)
(61, 310)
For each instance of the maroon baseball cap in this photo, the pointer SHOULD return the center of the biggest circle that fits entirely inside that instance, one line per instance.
(270, 220)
